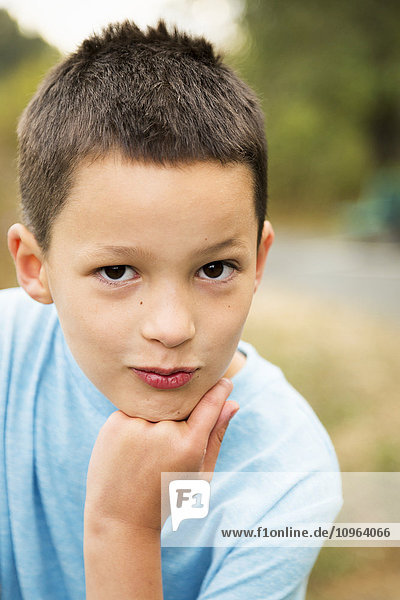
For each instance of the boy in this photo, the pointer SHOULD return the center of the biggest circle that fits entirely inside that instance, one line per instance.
(143, 188)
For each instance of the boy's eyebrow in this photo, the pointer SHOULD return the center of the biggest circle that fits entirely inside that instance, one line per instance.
(134, 252)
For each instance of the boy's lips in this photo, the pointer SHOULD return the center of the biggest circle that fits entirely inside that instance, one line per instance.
(165, 379)
(161, 371)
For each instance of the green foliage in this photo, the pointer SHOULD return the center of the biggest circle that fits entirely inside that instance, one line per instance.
(15, 46)
(16, 89)
(327, 74)
(23, 62)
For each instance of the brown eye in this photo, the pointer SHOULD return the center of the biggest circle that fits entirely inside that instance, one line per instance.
(214, 269)
(115, 272)
(218, 270)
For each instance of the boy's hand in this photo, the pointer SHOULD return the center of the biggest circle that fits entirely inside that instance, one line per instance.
(124, 475)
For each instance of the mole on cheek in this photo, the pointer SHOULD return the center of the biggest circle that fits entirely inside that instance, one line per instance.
(141, 302)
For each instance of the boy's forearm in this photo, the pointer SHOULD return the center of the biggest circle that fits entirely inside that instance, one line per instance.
(121, 563)
(122, 517)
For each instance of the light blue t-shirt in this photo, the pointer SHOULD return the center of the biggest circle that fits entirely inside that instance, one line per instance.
(50, 415)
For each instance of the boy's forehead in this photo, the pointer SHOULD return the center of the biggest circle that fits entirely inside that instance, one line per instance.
(114, 162)
(113, 179)
(117, 203)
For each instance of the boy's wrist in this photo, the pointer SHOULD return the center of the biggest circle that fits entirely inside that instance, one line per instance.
(97, 525)
(121, 560)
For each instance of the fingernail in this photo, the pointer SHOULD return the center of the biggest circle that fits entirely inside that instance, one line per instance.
(226, 381)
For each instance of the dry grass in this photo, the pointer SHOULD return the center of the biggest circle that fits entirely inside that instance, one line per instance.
(345, 363)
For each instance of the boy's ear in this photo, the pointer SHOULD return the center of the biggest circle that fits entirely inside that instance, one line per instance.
(29, 264)
(267, 238)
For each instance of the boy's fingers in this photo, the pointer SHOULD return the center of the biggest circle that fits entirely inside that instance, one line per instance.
(217, 434)
(205, 414)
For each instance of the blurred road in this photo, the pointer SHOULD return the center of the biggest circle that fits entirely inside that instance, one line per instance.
(363, 274)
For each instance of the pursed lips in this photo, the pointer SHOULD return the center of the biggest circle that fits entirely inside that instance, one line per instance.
(165, 379)
(161, 371)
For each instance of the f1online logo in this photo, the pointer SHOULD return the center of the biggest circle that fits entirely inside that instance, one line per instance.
(189, 499)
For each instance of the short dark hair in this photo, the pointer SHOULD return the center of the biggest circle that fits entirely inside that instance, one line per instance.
(156, 96)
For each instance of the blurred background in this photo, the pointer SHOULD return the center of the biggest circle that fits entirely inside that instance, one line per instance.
(328, 311)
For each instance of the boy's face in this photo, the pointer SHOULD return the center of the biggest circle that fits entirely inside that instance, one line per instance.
(164, 298)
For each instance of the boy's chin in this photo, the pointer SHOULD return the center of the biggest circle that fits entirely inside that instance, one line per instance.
(178, 410)
(171, 405)
(173, 416)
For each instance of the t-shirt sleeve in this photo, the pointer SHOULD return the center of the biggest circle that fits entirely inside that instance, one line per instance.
(262, 574)
(276, 572)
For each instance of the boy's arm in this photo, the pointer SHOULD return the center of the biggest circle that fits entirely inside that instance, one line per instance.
(121, 563)
(123, 495)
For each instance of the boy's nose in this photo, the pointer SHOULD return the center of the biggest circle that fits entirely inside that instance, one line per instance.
(168, 319)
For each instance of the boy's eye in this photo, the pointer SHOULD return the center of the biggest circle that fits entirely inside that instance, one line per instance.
(116, 273)
(219, 270)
